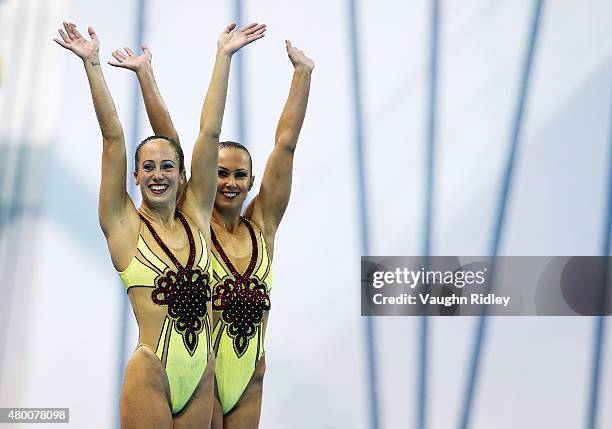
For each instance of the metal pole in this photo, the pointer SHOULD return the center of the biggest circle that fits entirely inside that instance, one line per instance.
(369, 326)
(429, 186)
(600, 322)
(479, 338)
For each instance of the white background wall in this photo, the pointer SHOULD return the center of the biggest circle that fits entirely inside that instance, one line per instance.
(61, 305)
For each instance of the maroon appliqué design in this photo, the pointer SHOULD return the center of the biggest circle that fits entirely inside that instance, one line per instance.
(186, 291)
(242, 300)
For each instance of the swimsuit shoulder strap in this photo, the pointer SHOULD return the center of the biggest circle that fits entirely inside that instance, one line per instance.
(192, 246)
(226, 259)
(163, 246)
(254, 254)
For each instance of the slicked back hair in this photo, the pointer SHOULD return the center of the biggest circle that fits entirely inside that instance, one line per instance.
(173, 143)
(235, 145)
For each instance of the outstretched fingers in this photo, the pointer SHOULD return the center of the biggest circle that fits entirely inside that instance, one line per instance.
(68, 31)
(254, 29)
(64, 37)
(72, 40)
(60, 42)
(127, 58)
(248, 27)
(74, 31)
(255, 36)
(119, 56)
(71, 33)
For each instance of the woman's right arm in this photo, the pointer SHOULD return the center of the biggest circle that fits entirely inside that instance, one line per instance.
(116, 211)
(159, 116)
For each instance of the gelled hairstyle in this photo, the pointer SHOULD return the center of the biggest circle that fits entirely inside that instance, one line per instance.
(237, 146)
(173, 143)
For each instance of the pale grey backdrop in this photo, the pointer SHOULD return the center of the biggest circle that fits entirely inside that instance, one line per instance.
(61, 300)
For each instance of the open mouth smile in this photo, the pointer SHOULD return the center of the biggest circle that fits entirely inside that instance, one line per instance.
(158, 189)
(230, 195)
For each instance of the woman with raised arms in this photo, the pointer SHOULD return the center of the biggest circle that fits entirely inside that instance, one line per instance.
(243, 244)
(161, 250)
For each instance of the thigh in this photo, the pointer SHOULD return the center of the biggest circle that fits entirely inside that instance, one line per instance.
(217, 417)
(198, 411)
(246, 412)
(145, 393)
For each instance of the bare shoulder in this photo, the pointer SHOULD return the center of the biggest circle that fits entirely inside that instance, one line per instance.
(122, 240)
(197, 216)
(255, 214)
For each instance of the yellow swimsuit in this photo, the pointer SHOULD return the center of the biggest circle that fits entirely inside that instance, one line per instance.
(173, 317)
(240, 303)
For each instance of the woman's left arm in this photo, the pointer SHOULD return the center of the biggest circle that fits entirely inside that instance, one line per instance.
(202, 186)
(273, 197)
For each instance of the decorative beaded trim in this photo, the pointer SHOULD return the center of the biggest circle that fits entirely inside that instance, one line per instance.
(242, 300)
(185, 291)
(226, 259)
(161, 244)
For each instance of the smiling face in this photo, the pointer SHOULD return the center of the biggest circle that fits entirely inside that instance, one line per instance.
(234, 179)
(158, 174)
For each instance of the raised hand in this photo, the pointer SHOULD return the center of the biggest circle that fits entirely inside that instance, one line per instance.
(129, 60)
(298, 58)
(231, 40)
(73, 41)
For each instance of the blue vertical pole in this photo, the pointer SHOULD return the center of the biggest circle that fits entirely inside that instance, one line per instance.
(472, 379)
(363, 209)
(239, 77)
(600, 322)
(135, 139)
(598, 342)
(429, 186)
